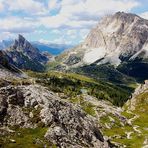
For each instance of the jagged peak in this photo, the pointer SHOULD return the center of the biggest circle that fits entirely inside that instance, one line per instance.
(127, 16)
(21, 44)
(119, 13)
(21, 38)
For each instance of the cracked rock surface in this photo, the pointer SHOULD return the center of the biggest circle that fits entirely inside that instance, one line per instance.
(29, 105)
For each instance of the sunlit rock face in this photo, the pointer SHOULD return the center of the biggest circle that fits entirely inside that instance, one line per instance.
(116, 38)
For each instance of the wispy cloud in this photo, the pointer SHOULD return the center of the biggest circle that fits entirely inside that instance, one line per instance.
(30, 7)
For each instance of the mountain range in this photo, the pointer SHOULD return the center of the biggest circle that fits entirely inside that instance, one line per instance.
(54, 49)
(93, 95)
(119, 40)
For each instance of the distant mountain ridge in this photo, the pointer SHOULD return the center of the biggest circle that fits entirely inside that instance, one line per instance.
(54, 49)
(5, 44)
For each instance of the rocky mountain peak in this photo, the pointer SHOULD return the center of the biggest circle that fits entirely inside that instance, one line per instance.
(117, 37)
(21, 38)
(25, 56)
(21, 44)
(125, 16)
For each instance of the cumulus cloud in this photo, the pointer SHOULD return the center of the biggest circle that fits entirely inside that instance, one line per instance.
(54, 5)
(76, 17)
(28, 6)
(84, 13)
(16, 25)
(1, 6)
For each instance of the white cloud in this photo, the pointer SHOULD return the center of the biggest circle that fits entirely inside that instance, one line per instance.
(72, 34)
(16, 25)
(40, 31)
(28, 6)
(144, 15)
(1, 6)
(53, 21)
(6, 36)
(60, 21)
(56, 31)
(44, 41)
(84, 13)
(53, 5)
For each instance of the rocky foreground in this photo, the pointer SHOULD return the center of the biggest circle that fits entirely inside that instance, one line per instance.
(33, 106)
(32, 113)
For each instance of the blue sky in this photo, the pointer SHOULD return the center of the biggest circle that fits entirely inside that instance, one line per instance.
(60, 21)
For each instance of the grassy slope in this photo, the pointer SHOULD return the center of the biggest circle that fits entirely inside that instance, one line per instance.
(71, 84)
(105, 72)
(137, 138)
(24, 138)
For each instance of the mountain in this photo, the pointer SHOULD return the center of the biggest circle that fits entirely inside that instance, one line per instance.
(98, 105)
(54, 49)
(25, 56)
(119, 37)
(120, 40)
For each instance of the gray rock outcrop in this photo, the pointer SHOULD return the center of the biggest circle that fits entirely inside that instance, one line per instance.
(33, 105)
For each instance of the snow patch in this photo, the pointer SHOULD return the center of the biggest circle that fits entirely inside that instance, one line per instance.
(93, 55)
(146, 46)
(112, 58)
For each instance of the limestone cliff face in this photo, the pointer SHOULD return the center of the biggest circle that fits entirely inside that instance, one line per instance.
(124, 34)
(116, 38)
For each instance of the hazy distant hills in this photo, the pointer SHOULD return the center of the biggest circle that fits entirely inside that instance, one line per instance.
(5, 43)
(54, 49)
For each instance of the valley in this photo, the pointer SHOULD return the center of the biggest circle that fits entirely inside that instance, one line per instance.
(94, 95)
